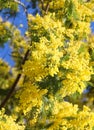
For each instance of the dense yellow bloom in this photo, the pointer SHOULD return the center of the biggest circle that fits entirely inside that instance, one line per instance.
(30, 96)
(9, 123)
(46, 47)
(70, 117)
(78, 67)
(59, 64)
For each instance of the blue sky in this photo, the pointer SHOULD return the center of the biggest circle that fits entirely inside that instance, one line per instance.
(20, 18)
(92, 27)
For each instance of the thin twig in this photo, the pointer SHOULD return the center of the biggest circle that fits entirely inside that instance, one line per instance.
(25, 9)
(45, 8)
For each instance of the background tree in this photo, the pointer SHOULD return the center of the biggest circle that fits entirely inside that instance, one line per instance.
(54, 63)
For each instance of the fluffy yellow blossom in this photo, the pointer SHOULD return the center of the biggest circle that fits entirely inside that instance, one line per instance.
(9, 123)
(70, 117)
(78, 68)
(59, 63)
(30, 97)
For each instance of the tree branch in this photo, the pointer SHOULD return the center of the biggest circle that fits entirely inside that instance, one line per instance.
(13, 86)
(3, 103)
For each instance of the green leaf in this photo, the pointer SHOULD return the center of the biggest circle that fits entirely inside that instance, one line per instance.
(81, 49)
(66, 57)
